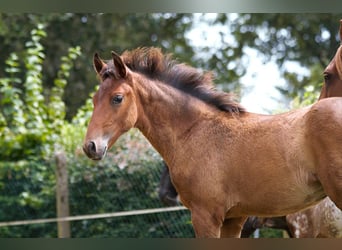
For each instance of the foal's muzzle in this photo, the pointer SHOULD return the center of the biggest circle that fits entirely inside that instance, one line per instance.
(93, 151)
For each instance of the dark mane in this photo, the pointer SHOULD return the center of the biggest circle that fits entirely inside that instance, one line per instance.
(154, 64)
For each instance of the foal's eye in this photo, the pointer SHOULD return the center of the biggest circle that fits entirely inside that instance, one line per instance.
(117, 99)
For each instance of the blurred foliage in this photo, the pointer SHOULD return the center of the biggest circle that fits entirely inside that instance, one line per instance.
(27, 192)
(271, 233)
(310, 91)
(310, 40)
(307, 39)
(93, 33)
(31, 122)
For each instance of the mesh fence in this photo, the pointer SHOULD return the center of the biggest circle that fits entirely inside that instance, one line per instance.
(28, 192)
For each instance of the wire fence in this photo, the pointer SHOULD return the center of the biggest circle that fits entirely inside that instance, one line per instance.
(93, 216)
(28, 198)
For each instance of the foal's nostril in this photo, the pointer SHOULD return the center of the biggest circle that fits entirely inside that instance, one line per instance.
(94, 151)
(91, 147)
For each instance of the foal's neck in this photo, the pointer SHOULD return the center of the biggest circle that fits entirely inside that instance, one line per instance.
(168, 116)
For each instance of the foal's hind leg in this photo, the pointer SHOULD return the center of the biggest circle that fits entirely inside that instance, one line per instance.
(231, 228)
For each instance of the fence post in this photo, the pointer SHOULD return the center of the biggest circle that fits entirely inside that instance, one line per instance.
(62, 194)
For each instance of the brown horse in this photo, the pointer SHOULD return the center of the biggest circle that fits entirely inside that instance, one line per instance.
(323, 219)
(333, 74)
(218, 154)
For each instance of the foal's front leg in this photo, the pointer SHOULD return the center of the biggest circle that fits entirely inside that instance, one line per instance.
(213, 225)
(231, 228)
(205, 224)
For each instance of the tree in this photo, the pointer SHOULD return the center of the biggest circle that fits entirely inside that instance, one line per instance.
(308, 39)
(93, 33)
(30, 120)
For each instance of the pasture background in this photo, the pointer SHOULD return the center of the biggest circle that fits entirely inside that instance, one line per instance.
(46, 80)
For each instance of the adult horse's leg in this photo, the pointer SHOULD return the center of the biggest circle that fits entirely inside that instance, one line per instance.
(231, 228)
(303, 224)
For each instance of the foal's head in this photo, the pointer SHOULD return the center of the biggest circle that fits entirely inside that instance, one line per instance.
(116, 105)
(115, 109)
(333, 74)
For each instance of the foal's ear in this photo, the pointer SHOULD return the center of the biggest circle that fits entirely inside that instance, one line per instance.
(98, 63)
(120, 67)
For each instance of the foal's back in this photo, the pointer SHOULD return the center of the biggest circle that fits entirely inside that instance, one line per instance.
(300, 150)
